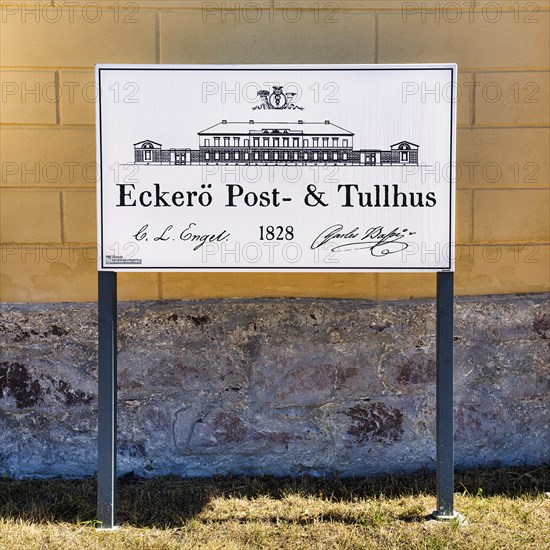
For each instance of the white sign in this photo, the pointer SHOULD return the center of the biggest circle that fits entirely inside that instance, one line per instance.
(276, 168)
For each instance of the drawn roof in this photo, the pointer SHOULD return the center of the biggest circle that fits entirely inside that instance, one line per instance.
(409, 142)
(148, 141)
(259, 127)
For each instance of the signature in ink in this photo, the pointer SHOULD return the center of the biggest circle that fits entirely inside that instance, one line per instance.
(378, 240)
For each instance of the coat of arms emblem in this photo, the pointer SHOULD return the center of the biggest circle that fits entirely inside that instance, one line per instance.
(277, 99)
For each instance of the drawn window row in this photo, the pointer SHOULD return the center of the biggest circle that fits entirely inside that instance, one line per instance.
(231, 156)
(277, 142)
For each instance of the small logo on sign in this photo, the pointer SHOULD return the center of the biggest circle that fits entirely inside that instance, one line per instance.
(277, 99)
(111, 259)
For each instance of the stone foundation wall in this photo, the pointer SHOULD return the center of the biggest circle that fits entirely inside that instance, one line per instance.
(274, 386)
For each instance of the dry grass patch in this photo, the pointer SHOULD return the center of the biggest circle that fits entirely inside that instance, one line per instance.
(505, 508)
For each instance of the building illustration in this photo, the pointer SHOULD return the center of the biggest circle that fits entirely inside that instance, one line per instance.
(275, 143)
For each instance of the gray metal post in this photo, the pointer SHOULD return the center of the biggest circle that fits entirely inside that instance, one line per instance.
(107, 400)
(444, 397)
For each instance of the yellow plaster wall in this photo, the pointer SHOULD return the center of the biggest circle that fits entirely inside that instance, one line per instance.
(47, 149)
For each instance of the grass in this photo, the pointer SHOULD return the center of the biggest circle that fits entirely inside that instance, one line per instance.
(505, 508)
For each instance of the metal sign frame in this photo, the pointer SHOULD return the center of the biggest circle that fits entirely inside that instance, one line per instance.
(107, 337)
(107, 399)
(256, 190)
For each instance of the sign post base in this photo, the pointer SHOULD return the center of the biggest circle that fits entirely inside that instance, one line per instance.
(456, 516)
(107, 529)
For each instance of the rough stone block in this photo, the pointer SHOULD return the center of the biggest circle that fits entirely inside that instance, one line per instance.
(273, 387)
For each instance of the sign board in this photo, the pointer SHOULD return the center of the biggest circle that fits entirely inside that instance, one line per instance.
(276, 168)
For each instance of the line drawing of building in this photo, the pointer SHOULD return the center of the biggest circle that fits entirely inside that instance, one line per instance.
(276, 143)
